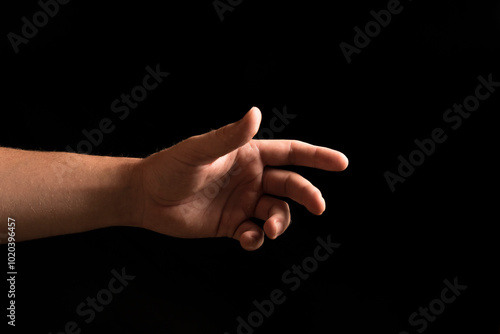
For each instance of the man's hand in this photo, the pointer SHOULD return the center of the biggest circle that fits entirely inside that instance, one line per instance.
(211, 185)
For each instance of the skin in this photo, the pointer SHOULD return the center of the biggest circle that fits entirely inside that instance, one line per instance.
(209, 185)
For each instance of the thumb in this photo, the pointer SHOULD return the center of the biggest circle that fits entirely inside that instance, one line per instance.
(208, 147)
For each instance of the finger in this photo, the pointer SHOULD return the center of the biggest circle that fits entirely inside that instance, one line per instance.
(276, 214)
(206, 148)
(294, 152)
(250, 236)
(289, 184)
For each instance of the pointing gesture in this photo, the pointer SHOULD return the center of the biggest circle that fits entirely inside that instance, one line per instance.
(211, 185)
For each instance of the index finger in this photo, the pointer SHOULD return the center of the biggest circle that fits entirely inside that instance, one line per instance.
(298, 153)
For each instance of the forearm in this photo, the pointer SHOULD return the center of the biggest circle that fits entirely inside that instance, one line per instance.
(54, 193)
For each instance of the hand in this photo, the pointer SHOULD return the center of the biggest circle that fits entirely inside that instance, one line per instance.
(210, 185)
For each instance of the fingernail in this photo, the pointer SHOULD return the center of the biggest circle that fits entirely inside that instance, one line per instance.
(279, 229)
(324, 205)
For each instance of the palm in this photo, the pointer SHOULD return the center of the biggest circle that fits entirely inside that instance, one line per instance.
(212, 185)
(214, 200)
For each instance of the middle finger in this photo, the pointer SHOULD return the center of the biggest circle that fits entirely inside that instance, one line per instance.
(284, 183)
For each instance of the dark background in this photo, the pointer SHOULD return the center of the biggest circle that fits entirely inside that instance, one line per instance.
(397, 248)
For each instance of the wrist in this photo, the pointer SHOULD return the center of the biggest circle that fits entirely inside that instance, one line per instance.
(129, 204)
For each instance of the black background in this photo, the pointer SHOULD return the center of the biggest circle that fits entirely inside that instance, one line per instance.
(396, 247)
